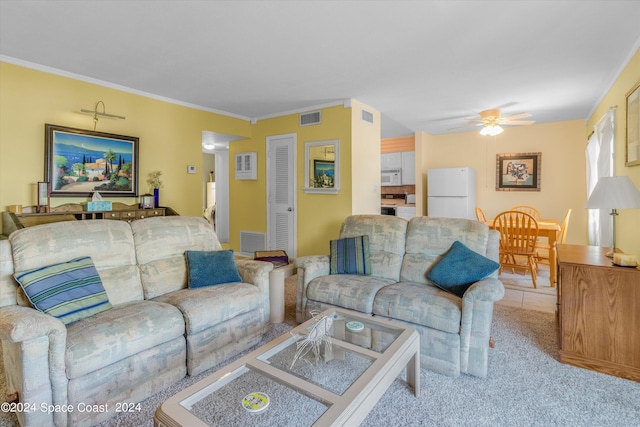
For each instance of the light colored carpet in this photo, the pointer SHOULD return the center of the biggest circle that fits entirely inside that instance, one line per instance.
(526, 386)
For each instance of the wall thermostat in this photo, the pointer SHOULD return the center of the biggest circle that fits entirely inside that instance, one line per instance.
(191, 169)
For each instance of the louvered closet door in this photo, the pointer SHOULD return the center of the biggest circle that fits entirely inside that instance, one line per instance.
(281, 211)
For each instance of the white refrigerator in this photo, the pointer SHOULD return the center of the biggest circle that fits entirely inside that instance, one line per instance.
(451, 193)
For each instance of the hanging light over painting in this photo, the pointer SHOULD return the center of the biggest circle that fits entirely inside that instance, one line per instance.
(96, 113)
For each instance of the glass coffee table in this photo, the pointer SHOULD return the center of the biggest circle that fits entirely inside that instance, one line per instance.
(339, 387)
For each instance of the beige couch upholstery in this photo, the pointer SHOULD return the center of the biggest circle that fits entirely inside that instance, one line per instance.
(454, 332)
(157, 331)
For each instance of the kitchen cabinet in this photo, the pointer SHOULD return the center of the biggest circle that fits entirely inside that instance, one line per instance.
(406, 212)
(391, 161)
(408, 164)
(405, 160)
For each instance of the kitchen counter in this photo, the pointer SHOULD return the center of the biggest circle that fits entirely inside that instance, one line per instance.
(394, 202)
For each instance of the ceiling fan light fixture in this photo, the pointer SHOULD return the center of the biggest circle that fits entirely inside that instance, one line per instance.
(491, 130)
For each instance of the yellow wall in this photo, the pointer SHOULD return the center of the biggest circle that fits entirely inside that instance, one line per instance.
(365, 161)
(563, 185)
(628, 221)
(319, 215)
(170, 135)
(170, 140)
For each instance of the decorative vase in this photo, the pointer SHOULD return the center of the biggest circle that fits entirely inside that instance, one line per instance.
(156, 197)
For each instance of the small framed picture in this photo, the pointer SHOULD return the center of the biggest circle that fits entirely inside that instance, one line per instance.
(44, 192)
(518, 172)
(323, 173)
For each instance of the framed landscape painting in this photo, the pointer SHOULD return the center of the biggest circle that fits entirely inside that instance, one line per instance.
(80, 162)
(323, 173)
(518, 172)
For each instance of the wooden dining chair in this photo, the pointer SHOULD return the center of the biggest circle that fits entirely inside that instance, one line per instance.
(542, 248)
(529, 210)
(480, 215)
(518, 237)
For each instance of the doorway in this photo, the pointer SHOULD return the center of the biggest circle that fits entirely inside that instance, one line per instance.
(215, 149)
(281, 195)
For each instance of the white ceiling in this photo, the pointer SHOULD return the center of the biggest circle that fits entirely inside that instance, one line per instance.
(425, 65)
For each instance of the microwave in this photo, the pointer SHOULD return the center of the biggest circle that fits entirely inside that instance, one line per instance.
(391, 177)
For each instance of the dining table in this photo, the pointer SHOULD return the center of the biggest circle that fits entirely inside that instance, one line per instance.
(549, 228)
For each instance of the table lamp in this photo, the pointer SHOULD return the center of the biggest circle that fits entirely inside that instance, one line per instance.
(614, 192)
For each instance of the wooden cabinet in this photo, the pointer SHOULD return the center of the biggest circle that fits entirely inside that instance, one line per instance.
(75, 212)
(598, 312)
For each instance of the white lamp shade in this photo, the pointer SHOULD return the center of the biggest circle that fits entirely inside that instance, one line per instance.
(614, 192)
(491, 130)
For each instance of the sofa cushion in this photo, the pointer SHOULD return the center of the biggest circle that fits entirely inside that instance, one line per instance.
(420, 304)
(69, 291)
(116, 334)
(160, 246)
(207, 268)
(386, 241)
(428, 238)
(114, 256)
(350, 291)
(459, 268)
(350, 256)
(205, 307)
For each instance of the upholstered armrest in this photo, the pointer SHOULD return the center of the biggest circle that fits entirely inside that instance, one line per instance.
(309, 267)
(34, 346)
(475, 327)
(488, 289)
(493, 246)
(19, 324)
(256, 273)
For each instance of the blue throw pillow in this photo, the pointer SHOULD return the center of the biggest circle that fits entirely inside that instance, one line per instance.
(350, 256)
(69, 291)
(459, 268)
(207, 268)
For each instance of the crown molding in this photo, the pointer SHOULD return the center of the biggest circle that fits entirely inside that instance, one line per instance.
(51, 70)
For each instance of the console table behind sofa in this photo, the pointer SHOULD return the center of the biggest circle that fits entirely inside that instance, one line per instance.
(75, 212)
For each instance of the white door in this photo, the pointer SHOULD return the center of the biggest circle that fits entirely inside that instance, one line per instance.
(281, 201)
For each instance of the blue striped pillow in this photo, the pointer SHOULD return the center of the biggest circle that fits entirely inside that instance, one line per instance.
(69, 291)
(350, 256)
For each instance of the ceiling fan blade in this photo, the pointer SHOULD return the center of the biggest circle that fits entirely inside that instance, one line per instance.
(467, 126)
(517, 116)
(519, 122)
(473, 119)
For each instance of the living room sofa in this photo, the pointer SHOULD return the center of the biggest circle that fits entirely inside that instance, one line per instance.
(156, 331)
(454, 331)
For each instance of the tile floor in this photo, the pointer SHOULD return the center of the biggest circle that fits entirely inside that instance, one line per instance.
(529, 300)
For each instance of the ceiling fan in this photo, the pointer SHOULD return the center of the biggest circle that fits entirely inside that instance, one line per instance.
(490, 121)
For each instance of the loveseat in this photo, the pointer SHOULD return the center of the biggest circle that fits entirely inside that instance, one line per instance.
(454, 331)
(154, 332)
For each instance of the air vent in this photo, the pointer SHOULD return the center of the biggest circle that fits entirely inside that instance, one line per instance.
(308, 119)
(367, 116)
(251, 242)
